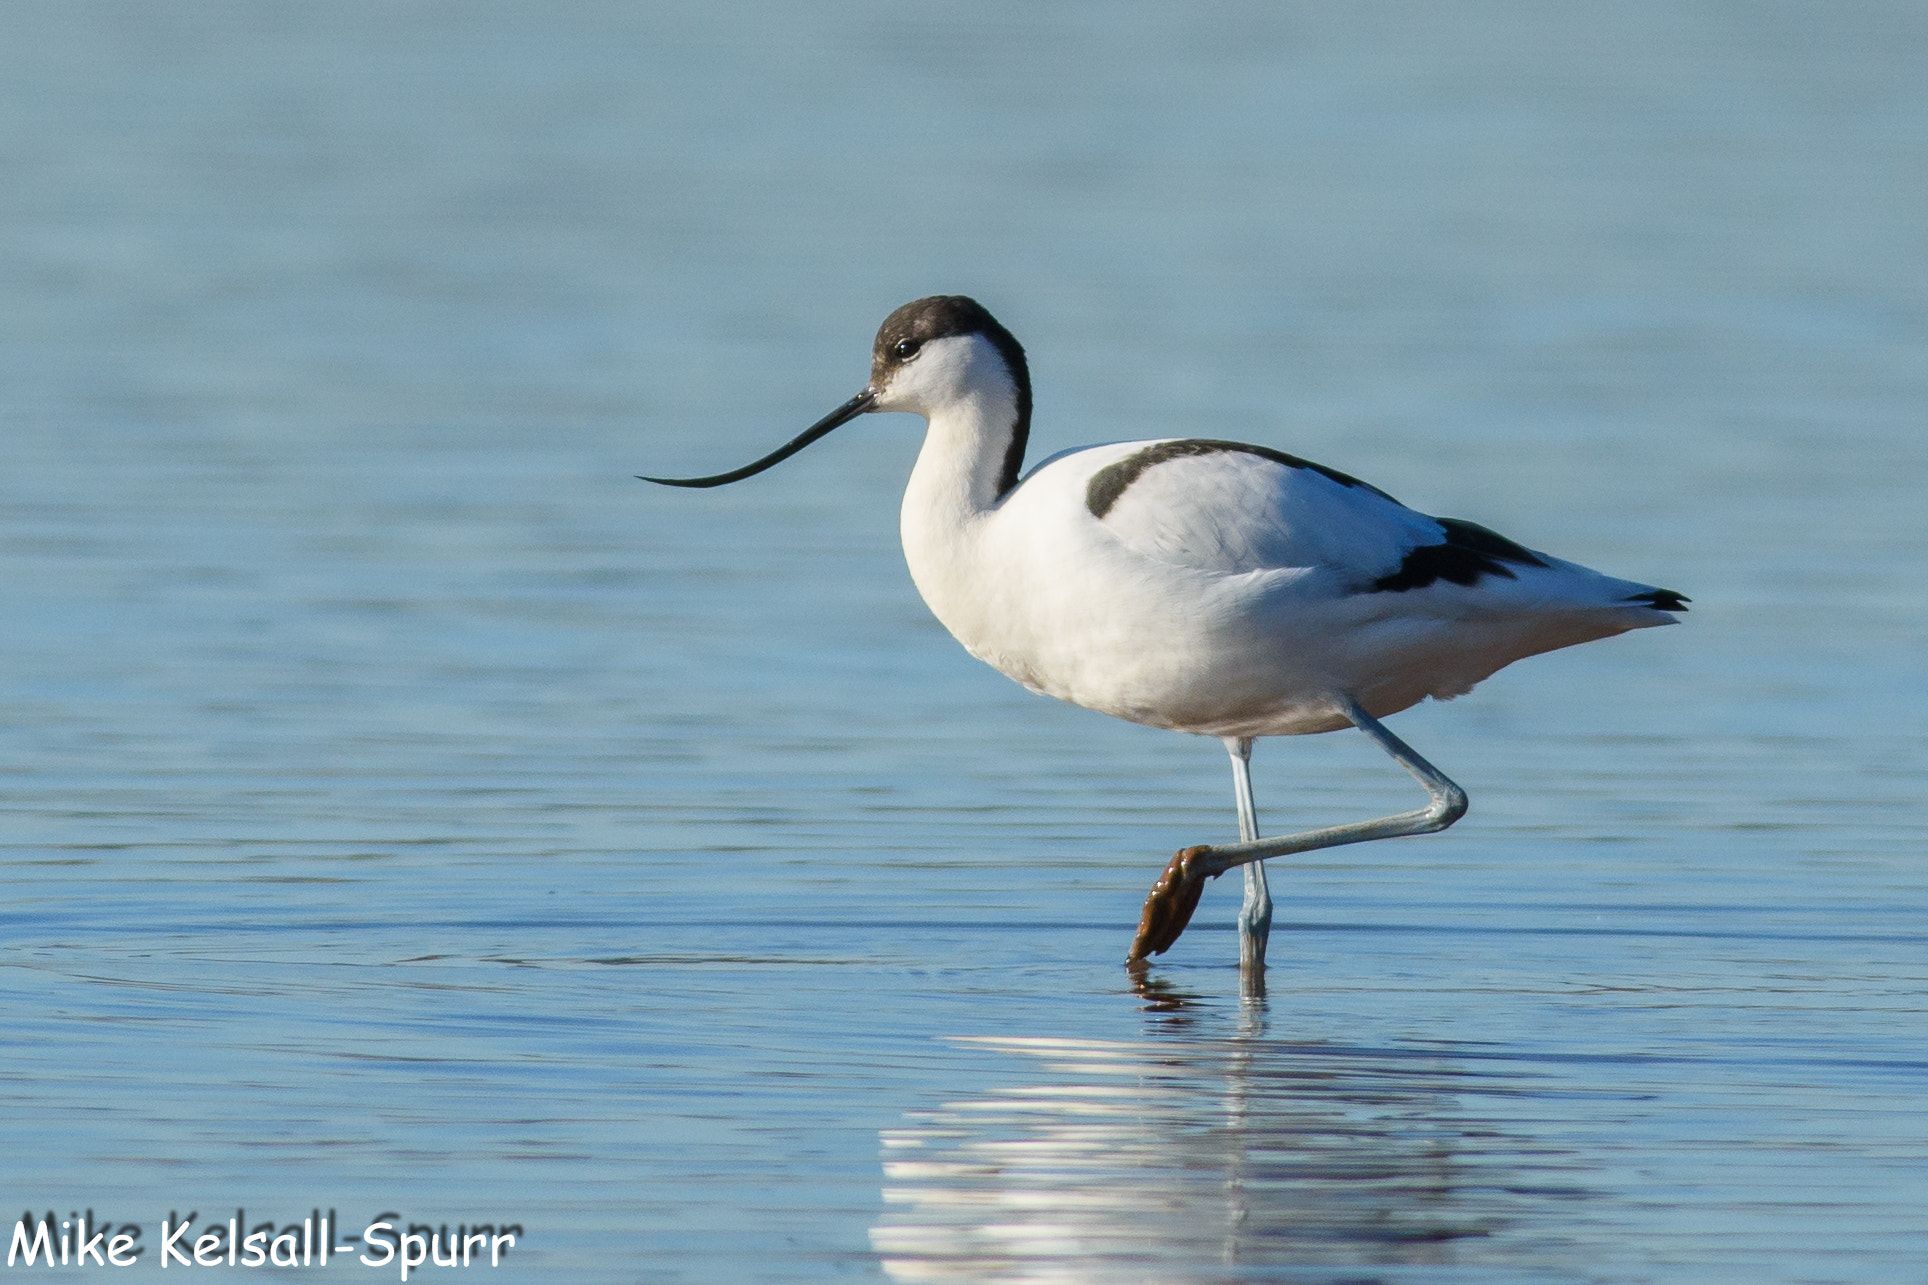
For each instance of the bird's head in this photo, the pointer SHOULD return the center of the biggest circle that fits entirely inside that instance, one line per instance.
(930, 354)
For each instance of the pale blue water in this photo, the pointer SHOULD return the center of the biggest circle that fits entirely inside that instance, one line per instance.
(403, 809)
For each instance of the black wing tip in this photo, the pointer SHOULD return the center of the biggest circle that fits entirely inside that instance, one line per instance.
(1469, 552)
(677, 481)
(1659, 600)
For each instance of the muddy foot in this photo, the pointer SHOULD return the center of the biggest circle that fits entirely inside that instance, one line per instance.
(1169, 907)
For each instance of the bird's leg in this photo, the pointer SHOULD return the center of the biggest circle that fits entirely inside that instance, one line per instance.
(1255, 913)
(1173, 898)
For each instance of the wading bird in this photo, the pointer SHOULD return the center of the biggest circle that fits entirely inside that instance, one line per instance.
(1204, 586)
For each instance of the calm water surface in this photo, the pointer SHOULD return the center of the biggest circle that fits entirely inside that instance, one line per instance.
(404, 810)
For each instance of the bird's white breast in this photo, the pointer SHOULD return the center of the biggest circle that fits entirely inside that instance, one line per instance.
(1059, 600)
(1225, 594)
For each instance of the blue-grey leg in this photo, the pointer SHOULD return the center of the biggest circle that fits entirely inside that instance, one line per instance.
(1175, 896)
(1255, 914)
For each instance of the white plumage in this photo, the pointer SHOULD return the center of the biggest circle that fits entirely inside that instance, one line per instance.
(1203, 586)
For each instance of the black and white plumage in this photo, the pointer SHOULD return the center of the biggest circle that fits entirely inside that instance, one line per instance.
(1204, 586)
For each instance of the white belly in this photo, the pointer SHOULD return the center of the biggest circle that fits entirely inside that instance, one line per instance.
(1066, 604)
(1071, 614)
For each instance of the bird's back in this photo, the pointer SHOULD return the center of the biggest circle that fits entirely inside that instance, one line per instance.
(1231, 589)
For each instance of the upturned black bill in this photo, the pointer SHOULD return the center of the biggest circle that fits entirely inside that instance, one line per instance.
(842, 415)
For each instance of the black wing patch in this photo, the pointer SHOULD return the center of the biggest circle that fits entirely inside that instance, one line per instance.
(1470, 551)
(1659, 600)
(1113, 480)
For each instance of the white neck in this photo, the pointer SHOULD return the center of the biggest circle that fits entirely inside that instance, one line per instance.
(954, 486)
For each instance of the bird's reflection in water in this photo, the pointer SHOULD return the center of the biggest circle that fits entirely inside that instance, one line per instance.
(1188, 1156)
(1161, 996)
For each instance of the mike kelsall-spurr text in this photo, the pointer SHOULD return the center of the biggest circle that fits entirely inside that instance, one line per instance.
(82, 1240)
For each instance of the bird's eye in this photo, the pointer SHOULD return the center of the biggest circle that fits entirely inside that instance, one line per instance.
(906, 349)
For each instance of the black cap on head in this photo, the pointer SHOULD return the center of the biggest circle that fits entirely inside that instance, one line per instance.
(939, 317)
(903, 333)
